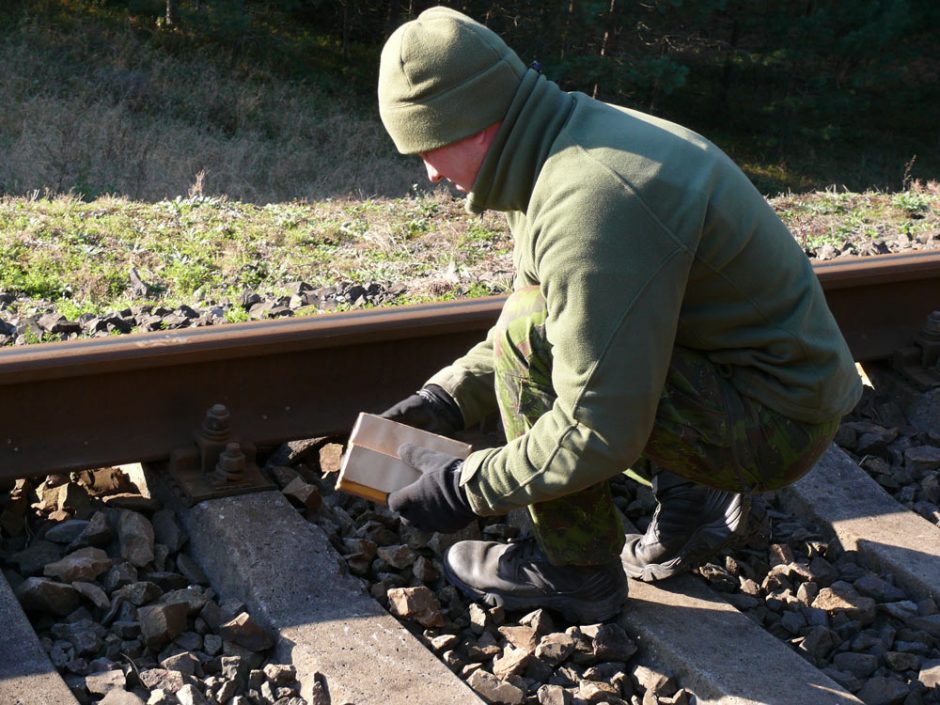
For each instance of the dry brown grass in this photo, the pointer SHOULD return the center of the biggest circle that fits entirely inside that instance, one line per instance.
(97, 114)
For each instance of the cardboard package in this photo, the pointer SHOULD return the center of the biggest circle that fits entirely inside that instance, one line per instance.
(371, 467)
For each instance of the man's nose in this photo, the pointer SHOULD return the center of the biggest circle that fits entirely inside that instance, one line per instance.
(433, 174)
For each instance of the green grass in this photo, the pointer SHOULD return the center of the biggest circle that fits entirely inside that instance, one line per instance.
(77, 256)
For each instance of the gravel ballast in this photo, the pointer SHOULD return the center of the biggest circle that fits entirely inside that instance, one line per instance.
(123, 612)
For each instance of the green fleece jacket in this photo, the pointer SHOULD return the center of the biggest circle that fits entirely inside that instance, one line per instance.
(641, 235)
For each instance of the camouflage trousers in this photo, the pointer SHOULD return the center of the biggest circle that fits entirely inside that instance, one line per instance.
(705, 431)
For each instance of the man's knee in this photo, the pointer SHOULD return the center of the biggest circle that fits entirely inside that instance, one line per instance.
(525, 303)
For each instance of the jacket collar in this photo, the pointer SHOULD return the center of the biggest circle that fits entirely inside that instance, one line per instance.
(523, 142)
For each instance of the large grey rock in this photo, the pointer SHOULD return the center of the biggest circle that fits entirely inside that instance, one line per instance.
(841, 597)
(929, 624)
(162, 679)
(160, 697)
(191, 641)
(922, 458)
(881, 690)
(521, 637)
(161, 623)
(85, 635)
(416, 603)
(121, 697)
(599, 692)
(818, 642)
(280, 674)
(193, 597)
(167, 580)
(304, 495)
(93, 593)
(185, 663)
(121, 574)
(494, 689)
(611, 643)
(930, 673)
(655, 680)
(512, 663)
(540, 621)
(45, 595)
(555, 648)
(248, 658)
(398, 556)
(135, 534)
(31, 560)
(65, 532)
(903, 609)
(861, 665)
(139, 593)
(106, 681)
(212, 644)
(84, 564)
(189, 695)
(167, 530)
(553, 695)
(97, 533)
(878, 589)
(901, 661)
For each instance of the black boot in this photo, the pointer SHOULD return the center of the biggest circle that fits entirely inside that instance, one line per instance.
(691, 524)
(518, 576)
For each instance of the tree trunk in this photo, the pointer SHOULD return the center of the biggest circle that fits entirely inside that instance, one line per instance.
(565, 31)
(345, 39)
(728, 67)
(172, 16)
(605, 39)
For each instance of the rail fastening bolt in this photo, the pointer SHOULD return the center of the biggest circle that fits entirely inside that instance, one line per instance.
(231, 465)
(215, 426)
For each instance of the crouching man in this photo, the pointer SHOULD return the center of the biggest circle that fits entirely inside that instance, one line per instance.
(663, 319)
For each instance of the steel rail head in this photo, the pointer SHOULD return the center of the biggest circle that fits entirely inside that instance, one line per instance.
(138, 351)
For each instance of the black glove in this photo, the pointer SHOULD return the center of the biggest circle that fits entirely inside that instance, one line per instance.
(436, 502)
(430, 408)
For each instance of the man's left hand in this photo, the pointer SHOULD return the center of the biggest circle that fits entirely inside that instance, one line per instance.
(436, 502)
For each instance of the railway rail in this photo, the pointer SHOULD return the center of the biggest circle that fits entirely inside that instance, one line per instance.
(88, 403)
(156, 398)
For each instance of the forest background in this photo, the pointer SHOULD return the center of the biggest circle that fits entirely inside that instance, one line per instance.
(273, 100)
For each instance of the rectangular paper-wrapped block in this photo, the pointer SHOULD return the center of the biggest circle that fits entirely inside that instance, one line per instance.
(371, 467)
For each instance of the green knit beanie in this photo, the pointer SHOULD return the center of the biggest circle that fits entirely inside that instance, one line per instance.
(443, 77)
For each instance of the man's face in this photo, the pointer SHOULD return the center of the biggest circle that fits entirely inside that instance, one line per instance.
(458, 162)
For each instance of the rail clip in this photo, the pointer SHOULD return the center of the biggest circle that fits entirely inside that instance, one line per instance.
(919, 362)
(216, 465)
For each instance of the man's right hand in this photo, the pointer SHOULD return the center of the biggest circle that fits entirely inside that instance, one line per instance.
(431, 409)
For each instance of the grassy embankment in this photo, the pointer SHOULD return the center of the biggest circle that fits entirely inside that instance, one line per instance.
(77, 256)
(198, 140)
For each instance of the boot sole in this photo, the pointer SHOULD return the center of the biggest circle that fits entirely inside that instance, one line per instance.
(580, 612)
(703, 545)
